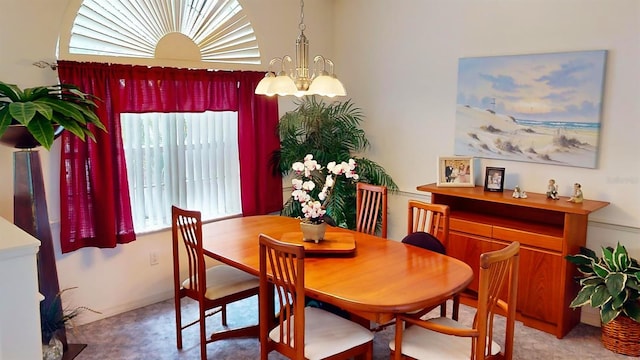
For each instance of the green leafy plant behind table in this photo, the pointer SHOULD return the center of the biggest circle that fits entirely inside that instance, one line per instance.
(40, 109)
(610, 283)
(330, 132)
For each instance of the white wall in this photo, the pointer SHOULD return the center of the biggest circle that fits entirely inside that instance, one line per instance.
(404, 76)
(399, 64)
(398, 61)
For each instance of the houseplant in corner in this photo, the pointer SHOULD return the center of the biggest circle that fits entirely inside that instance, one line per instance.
(611, 283)
(30, 118)
(34, 116)
(331, 132)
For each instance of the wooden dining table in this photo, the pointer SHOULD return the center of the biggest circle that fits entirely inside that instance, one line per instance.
(377, 280)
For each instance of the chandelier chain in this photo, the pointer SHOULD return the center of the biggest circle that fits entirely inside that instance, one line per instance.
(302, 26)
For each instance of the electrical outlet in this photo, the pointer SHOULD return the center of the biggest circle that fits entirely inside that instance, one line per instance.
(153, 258)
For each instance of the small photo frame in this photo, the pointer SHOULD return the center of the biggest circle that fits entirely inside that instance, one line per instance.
(455, 171)
(494, 179)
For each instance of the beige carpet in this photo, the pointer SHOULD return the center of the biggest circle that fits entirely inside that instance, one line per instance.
(148, 333)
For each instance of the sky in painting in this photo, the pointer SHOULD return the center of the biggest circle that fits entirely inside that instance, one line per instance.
(544, 87)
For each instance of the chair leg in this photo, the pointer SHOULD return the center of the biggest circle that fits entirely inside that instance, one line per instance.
(178, 321)
(456, 307)
(203, 341)
(397, 353)
(443, 309)
(369, 354)
(224, 315)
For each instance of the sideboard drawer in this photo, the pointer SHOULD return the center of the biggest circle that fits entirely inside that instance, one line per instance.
(528, 238)
(470, 227)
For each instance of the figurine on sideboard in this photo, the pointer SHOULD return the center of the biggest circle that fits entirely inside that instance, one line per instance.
(518, 193)
(577, 194)
(552, 190)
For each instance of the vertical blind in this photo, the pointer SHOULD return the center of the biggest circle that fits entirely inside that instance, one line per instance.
(186, 159)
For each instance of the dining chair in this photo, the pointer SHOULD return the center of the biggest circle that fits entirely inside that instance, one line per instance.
(429, 218)
(301, 332)
(428, 228)
(444, 338)
(213, 287)
(371, 206)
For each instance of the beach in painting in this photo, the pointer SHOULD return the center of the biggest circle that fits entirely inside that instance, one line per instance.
(484, 133)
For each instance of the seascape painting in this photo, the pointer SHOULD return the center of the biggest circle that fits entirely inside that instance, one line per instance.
(542, 108)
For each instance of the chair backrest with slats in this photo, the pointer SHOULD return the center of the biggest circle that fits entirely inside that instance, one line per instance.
(498, 269)
(371, 208)
(285, 265)
(187, 225)
(429, 218)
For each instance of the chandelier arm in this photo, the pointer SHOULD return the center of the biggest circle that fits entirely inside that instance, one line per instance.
(289, 60)
(272, 62)
(328, 61)
(322, 60)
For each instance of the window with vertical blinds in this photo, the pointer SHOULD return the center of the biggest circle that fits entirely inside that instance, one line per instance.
(185, 159)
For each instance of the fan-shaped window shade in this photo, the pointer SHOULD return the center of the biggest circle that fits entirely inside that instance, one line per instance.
(139, 28)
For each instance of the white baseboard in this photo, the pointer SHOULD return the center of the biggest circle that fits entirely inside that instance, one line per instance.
(88, 317)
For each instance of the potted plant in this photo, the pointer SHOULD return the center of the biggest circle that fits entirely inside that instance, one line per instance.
(30, 118)
(313, 186)
(35, 116)
(611, 283)
(330, 132)
(54, 318)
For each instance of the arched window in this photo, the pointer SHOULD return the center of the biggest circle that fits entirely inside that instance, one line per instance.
(213, 31)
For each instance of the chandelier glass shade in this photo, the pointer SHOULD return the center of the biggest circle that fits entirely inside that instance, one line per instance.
(297, 78)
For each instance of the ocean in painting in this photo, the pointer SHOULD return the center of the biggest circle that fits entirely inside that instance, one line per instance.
(558, 124)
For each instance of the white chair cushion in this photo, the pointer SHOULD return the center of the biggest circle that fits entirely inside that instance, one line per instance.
(326, 334)
(223, 280)
(421, 343)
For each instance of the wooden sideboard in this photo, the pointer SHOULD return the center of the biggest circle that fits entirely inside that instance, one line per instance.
(547, 230)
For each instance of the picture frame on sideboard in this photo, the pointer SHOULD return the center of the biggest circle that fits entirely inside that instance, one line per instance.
(494, 179)
(455, 171)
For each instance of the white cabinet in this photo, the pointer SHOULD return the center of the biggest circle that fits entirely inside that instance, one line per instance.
(19, 297)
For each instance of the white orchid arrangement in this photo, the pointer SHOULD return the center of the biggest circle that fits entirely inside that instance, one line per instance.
(307, 176)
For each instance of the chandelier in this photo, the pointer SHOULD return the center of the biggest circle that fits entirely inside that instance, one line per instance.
(300, 81)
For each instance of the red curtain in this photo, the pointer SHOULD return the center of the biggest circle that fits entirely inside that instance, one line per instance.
(95, 206)
(94, 195)
(258, 138)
